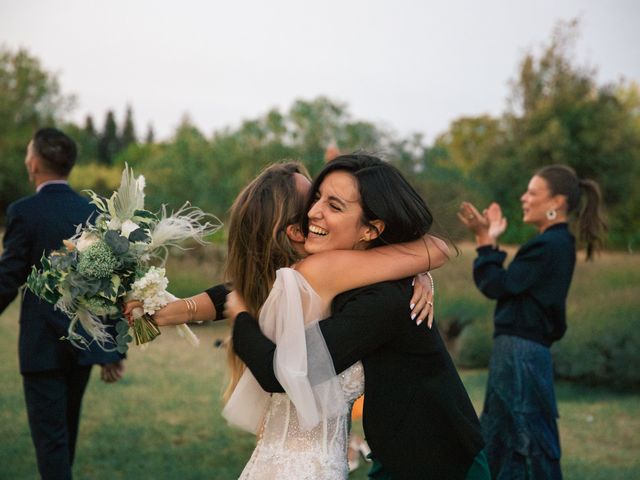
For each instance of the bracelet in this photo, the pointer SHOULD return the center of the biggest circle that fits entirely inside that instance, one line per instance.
(433, 285)
(192, 308)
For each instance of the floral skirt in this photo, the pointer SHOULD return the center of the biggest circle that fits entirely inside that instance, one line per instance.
(519, 416)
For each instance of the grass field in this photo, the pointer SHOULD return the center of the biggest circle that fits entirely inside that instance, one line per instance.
(162, 421)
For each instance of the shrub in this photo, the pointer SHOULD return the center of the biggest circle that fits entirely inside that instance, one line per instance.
(474, 345)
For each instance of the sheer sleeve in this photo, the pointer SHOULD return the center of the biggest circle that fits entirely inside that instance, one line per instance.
(290, 318)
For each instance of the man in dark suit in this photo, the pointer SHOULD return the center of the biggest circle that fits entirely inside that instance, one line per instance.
(54, 373)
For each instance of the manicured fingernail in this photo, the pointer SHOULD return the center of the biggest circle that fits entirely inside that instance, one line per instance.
(413, 316)
(412, 305)
(413, 282)
(419, 322)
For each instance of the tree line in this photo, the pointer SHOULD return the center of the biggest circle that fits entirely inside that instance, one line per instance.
(557, 112)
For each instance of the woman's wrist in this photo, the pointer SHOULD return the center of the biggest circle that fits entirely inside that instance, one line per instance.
(483, 239)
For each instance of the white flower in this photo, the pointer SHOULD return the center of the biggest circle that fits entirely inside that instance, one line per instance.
(114, 224)
(151, 290)
(86, 240)
(127, 227)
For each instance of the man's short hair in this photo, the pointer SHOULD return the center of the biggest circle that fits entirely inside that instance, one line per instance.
(57, 150)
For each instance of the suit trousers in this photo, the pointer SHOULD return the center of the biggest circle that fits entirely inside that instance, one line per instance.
(53, 402)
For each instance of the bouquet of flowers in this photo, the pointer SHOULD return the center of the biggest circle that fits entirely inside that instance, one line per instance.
(111, 261)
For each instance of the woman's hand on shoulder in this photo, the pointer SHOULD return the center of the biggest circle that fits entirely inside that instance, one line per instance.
(421, 303)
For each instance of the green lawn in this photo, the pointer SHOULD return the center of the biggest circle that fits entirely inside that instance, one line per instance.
(162, 421)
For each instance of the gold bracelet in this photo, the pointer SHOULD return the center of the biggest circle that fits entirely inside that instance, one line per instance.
(192, 308)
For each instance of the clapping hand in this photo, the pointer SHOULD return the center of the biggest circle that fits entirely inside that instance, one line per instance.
(487, 226)
(497, 223)
(472, 219)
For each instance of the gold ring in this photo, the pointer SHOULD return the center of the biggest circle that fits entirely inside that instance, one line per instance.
(470, 217)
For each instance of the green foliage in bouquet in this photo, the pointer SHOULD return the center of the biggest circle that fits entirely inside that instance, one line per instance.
(90, 277)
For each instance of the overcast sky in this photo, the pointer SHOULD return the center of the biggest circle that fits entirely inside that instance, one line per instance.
(410, 66)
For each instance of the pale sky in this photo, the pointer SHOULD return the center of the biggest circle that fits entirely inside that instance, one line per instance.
(407, 65)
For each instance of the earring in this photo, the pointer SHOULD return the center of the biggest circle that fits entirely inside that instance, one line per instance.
(551, 214)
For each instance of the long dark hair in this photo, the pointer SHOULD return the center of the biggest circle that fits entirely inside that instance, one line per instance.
(584, 203)
(384, 195)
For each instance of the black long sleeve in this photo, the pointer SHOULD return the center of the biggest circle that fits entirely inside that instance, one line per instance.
(218, 295)
(363, 323)
(532, 290)
(256, 350)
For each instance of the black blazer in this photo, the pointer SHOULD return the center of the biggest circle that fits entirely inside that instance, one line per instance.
(418, 418)
(37, 225)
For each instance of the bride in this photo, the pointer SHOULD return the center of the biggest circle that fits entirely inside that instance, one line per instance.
(304, 432)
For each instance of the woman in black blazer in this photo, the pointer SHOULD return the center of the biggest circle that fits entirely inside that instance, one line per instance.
(519, 415)
(418, 418)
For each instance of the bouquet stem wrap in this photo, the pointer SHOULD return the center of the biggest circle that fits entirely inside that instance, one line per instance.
(144, 327)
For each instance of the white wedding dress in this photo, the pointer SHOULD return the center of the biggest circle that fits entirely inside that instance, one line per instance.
(302, 434)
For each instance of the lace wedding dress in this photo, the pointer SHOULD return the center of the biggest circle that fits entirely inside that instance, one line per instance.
(302, 434)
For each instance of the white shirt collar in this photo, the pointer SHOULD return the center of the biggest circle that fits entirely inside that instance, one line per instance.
(51, 182)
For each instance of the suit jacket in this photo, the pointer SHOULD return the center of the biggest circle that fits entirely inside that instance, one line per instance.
(36, 225)
(418, 418)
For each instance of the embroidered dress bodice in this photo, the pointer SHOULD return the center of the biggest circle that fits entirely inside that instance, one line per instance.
(286, 449)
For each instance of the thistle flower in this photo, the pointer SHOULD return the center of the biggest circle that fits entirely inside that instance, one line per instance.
(97, 261)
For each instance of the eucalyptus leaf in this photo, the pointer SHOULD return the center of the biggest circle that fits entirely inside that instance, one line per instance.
(118, 244)
(122, 327)
(139, 235)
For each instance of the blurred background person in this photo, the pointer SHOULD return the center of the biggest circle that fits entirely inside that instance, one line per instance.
(55, 374)
(519, 415)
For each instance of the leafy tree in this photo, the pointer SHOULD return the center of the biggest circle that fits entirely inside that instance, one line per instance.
(557, 114)
(30, 98)
(470, 141)
(86, 138)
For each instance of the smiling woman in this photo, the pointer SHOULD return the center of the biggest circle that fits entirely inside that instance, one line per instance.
(358, 202)
(519, 416)
(335, 217)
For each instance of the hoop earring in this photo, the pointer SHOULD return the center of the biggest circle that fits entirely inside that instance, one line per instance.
(551, 214)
